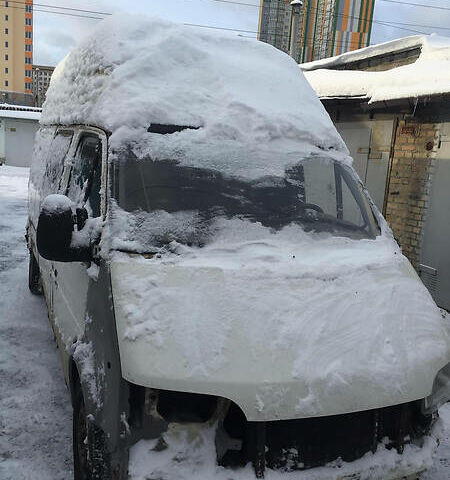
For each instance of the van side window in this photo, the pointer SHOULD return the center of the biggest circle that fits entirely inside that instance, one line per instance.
(55, 163)
(85, 178)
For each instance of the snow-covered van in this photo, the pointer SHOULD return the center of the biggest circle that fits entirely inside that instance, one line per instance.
(227, 300)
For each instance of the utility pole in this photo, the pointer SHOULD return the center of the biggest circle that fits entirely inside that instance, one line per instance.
(295, 28)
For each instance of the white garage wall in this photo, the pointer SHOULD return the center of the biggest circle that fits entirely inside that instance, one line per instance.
(19, 141)
(2, 141)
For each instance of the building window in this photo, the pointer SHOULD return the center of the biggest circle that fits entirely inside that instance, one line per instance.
(28, 21)
(27, 86)
(28, 8)
(28, 35)
(6, 70)
(6, 83)
(6, 44)
(6, 18)
(28, 73)
(6, 4)
(28, 48)
(6, 56)
(28, 60)
(6, 31)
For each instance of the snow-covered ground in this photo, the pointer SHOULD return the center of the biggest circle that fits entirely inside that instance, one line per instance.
(35, 412)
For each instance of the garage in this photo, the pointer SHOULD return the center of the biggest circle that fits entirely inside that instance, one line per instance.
(18, 127)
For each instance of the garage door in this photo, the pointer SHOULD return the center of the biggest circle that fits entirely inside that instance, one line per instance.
(369, 146)
(19, 141)
(435, 252)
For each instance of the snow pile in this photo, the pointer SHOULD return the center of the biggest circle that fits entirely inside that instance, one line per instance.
(429, 75)
(190, 453)
(245, 95)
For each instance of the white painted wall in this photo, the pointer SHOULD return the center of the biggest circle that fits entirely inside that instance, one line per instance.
(19, 141)
(2, 141)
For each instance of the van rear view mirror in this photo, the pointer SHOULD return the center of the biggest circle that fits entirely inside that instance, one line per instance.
(55, 230)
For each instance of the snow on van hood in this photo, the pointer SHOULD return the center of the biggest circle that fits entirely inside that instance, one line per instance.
(285, 329)
(134, 71)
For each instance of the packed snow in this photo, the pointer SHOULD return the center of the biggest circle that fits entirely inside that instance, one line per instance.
(35, 412)
(35, 409)
(133, 72)
(429, 75)
(190, 454)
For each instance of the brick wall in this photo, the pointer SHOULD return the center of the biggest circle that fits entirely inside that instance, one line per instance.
(408, 194)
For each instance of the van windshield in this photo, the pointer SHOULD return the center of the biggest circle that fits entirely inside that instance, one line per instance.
(171, 202)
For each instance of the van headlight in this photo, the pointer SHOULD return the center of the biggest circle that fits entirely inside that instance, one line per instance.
(440, 393)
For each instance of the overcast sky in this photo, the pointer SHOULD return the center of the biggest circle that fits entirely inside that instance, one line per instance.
(55, 35)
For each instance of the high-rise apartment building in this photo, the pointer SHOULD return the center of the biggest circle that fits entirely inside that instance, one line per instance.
(16, 51)
(314, 29)
(41, 81)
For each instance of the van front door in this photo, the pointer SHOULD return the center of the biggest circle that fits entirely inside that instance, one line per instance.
(72, 279)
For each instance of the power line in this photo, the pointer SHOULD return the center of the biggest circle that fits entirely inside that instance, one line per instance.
(237, 3)
(233, 2)
(188, 24)
(417, 25)
(393, 24)
(400, 28)
(416, 4)
(219, 28)
(60, 8)
(58, 13)
(383, 23)
(213, 27)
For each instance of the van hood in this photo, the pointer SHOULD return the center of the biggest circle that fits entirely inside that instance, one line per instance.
(283, 331)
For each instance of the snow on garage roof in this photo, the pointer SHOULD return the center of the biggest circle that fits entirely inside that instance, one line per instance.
(19, 112)
(428, 75)
(133, 72)
(393, 46)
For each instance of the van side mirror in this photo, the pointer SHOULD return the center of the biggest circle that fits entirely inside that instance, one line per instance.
(55, 230)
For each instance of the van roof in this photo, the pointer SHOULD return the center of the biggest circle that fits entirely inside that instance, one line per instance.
(132, 72)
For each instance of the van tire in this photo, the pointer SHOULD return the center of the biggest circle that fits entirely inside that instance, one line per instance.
(34, 275)
(90, 458)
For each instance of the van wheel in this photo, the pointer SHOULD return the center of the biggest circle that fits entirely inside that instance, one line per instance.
(90, 459)
(34, 275)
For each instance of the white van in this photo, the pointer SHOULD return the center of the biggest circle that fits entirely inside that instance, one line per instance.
(212, 263)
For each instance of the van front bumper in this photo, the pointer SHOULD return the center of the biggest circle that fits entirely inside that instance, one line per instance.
(391, 443)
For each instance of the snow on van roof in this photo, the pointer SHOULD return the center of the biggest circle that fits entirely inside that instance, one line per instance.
(133, 71)
(428, 75)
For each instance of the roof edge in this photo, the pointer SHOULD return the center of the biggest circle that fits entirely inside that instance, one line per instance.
(394, 46)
